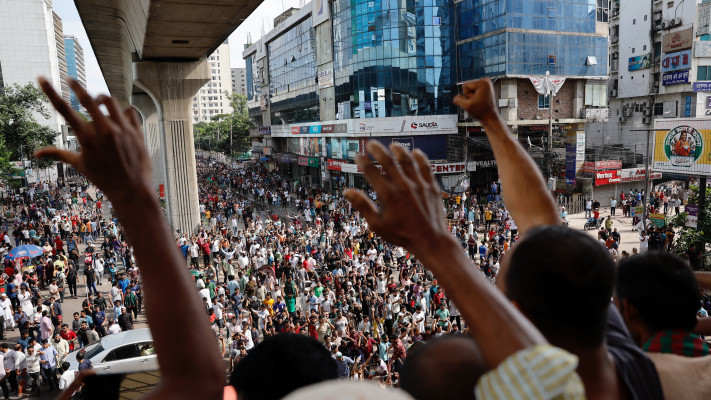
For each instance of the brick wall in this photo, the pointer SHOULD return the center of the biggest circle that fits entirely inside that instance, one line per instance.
(528, 101)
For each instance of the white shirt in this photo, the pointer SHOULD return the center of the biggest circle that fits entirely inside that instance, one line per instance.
(114, 329)
(417, 316)
(66, 379)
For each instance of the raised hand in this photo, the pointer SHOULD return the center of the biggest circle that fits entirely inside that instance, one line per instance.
(478, 100)
(113, 154)
(411, 213)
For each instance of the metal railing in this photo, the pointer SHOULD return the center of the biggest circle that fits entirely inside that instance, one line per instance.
(573, 204)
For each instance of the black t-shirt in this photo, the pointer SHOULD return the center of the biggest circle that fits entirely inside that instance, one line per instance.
(636, 369)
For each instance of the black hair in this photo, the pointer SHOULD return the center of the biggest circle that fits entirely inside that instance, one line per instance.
(662, 287)
(307, 361)
(562, 279)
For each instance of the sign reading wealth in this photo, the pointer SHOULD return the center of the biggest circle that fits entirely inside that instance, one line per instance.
(676, 41)
(683, 146)
(676, 61)
(639, 62)
(675, 78)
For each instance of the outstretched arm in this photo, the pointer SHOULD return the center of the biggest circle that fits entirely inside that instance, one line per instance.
(412, 216)
(114, 158)
(525, 192)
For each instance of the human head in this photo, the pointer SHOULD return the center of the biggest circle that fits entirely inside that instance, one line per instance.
(305, 360)
(446, 367)
(548, 268)
(656, 291)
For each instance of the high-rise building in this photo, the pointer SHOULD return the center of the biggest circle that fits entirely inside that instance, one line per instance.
(75, 67)
(29, 48)
(239, 81)
(213, 98)
(61, 55)
(321, 83)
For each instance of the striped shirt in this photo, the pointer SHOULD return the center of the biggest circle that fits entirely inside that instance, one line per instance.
(540, 372)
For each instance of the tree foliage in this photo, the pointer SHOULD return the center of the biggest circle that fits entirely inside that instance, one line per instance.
(215, 135)
(20, 133)
(686, 236)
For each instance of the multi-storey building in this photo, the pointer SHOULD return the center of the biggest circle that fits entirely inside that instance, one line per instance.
(323, 82)
(29, 48)
(239, 81)
(75, 67)
(61, 56)
(213, 98)
(660, 59)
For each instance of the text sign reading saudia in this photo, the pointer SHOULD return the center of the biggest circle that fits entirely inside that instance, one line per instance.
(683, 146)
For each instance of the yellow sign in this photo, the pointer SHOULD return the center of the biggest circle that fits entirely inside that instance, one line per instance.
(682, 146)
(658, 219)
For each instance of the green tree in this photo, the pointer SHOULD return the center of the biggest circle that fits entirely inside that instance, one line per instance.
(20, 132)
(226, 133)
(686, 236)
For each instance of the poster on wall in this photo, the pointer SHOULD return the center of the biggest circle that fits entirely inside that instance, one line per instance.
(639, 62)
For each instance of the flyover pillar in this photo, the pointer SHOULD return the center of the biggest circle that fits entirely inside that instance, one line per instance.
(171, 86)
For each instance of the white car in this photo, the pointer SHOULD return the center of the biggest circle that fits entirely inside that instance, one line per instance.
(124, 352)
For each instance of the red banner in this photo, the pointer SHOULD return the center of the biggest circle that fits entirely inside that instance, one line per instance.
(607, 177)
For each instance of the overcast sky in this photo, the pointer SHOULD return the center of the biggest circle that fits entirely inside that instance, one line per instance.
(260, 21)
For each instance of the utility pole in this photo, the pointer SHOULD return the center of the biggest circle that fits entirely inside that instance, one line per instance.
(549, 151)
(646, 173)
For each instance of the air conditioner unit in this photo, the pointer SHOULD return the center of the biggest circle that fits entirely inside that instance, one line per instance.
(628, 112)
(647, 112)
(503, 102)
(676, 21)
(646, 120)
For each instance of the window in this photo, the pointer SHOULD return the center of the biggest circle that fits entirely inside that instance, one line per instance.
(595, 95)
(544, 102)
(703, 73)
(670, 4)
(645, 17)
(634, 21)
(603, 10)
(644, 47)
(122, 353)
(658, 108)
(633, 50)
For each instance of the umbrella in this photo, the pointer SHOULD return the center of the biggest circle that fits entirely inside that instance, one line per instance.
(27, 250)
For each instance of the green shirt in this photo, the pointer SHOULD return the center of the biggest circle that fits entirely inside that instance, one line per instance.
(443, 316)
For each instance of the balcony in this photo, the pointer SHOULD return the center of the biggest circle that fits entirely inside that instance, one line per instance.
(595, 114)
(614, 39)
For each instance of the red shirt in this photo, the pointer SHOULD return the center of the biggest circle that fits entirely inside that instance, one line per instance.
(69, 336)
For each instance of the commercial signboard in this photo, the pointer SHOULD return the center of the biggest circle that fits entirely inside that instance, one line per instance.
(676, 61)
(639, 62)
(442, 124)
(315, 129)
(692, 215)
(701, 86)
(434, 146)
(326, 128)
(325, 79)
(702, 49)
(637, 174)
(607, 177)
(303, 161)
(675, 78)
(682, 146)
(676, 41)
(591, 166)
(703, 18)
(265, 130)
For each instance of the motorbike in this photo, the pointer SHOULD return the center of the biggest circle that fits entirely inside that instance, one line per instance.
(592, 223)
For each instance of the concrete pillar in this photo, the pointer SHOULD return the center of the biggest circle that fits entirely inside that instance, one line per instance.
(172, 86)
(155, 143)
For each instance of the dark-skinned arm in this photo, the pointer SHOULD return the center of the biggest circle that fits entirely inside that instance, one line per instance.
(115, 159)
(412, 216)
(525, 191)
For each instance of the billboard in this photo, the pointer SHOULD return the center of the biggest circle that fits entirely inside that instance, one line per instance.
(607, 177)
(639, 62)
(676, 41)
(683, 146)
(676, 61)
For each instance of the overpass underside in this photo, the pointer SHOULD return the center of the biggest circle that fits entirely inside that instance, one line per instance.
(152, 54)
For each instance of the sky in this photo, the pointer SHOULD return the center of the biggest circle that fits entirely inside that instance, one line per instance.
(260, 21)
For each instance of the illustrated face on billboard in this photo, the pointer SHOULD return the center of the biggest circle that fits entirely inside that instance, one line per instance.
(683, 146)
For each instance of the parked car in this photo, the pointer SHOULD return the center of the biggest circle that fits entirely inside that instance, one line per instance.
(130, 351)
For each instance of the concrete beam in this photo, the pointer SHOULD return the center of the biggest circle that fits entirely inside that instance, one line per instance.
(171, 86)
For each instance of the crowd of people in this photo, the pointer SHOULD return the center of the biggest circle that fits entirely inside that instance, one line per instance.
(377, 285)
(77, 247)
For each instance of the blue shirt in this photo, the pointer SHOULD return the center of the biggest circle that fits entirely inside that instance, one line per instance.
(482, 250)
(50, 355)
(232, 285)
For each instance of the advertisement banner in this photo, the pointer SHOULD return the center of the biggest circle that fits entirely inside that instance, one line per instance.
(637, 174)
(607, 177)
(325, 78)
(326, 128)
(434, 146)
(547, 84)
(310, 146)
(675, 78)
(295, 130)
(313, 162)
(683, 146)
(701, 87)
(315, 129)
(676, 41)
(659, 220)
(692, 215)
(591, 166)
(639, 62)
(636, 211)
(303, 161)
(265, 130)
(676, 61)
(440, 124)
(406, 142)
(161, 192)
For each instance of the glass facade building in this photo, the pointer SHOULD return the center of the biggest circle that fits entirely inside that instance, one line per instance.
(488, 47)
(393, 57)
(75, 67)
